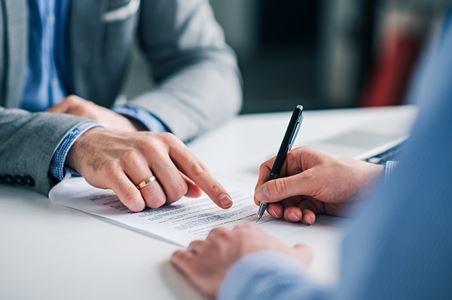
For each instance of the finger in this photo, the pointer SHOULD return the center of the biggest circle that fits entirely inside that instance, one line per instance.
(182, 261)
(79, 110)
(304, 254)
(65, 105)
(276, 210)
(170, 179)
(289, 167)
(286, 187)
(137, 170)
(308, 216)
(309, 211)
(219, 233)
(61, 107)
(197, 172)
(193, 190)
(293, 214)
(126, 191)
(153, 194)
(196, 247)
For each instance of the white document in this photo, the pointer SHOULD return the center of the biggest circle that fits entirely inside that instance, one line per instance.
(181, 222)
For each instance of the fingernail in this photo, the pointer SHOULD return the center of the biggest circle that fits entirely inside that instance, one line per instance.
(225, 201)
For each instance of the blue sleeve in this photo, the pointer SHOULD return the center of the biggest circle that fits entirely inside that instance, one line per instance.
(269, 275)
(57, 165)
(147, 119)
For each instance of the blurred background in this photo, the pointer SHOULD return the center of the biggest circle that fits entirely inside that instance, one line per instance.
(321, 53)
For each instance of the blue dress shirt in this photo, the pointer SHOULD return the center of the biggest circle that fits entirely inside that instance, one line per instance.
(44, 85)
(399, 246)
(48, 77)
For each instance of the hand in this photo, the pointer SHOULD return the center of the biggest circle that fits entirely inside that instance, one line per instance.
(121, 160)
(205, 263)
(77, 106)
(312, 183)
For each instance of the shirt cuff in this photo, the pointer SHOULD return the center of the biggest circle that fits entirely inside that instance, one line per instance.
(57, 166)
(390, 166)
(147, 119)
(268, 275)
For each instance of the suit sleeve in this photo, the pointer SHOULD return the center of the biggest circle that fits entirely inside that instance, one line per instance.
(196, 72)
(27, 144)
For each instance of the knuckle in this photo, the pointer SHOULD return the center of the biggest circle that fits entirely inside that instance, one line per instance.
(73, 98)
(192, 244)
(168, 137)
(177, 256)
(195, 244)
(220, 232)
(262, 167)
(110, 166)
(198, 169)
(173, 141)
(155, 201)
(145, 141)
(150, 143)
(130, 155)
(279, 186)
(178, 191)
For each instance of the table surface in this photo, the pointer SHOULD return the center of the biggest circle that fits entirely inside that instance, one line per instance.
(52, 252)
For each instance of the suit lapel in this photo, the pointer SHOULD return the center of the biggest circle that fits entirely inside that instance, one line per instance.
(85, 46)
(16, 49)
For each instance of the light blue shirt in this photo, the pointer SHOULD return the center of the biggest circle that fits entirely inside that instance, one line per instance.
(400, 245)
(48, 76)
(47, 64)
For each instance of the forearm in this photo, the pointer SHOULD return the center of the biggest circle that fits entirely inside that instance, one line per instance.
(28, 142)
(269, 275)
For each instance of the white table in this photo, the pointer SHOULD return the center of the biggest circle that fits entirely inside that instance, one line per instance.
(50, 252)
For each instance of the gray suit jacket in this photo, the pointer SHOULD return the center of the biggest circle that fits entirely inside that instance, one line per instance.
(196, 74)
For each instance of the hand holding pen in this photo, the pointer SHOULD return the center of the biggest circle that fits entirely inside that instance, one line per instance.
(289, 138)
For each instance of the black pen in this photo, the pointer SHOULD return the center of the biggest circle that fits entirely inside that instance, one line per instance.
(286, 145)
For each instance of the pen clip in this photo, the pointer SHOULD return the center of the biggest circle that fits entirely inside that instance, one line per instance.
(294, 135)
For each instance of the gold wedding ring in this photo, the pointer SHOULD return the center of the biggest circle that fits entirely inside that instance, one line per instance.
(146, 182)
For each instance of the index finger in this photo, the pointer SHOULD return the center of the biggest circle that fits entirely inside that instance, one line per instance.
(196, 171)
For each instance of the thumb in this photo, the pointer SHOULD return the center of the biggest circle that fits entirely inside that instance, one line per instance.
(304, 254)
(282, 188)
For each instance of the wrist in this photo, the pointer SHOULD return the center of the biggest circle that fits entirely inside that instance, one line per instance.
(58, 164)
(81, 147)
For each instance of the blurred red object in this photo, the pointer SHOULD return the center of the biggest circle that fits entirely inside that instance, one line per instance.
(389, 81)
